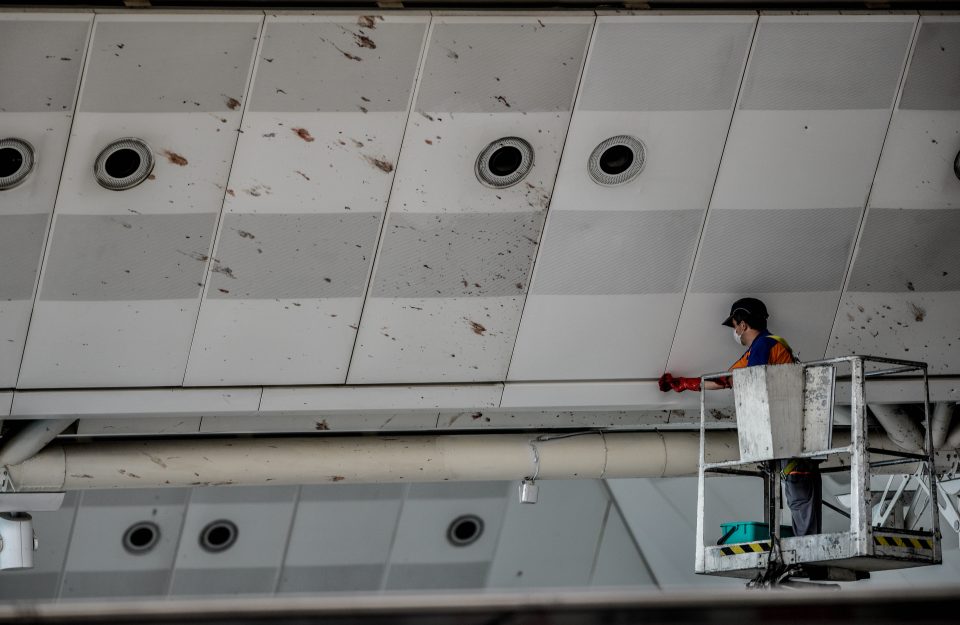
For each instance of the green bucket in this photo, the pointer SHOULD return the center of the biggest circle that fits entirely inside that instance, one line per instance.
(748, 532)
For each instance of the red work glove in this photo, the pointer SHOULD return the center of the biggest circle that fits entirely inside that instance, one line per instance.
(669, 383)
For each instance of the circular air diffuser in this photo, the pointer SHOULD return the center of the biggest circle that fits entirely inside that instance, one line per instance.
(218, 536)
(504, 163)
(465, 530)
(16, 162)
(141, 537)
(617, 160)
(123, 164)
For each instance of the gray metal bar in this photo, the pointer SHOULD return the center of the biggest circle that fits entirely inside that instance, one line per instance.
(891, 371)
(899, 454)
(860, 525)
(931, 472)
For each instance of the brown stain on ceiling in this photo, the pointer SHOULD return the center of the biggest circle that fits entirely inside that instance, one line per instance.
(303, 133)
(176, 159)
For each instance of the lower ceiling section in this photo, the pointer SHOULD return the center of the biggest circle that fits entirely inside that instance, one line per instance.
(534, 204)
(289, 540)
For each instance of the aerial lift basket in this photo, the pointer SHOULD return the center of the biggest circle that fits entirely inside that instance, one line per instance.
(786, 411)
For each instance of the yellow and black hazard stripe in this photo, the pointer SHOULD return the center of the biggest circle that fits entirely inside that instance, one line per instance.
(734, 550)
(903, 541)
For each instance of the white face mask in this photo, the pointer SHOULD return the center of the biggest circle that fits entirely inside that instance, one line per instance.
(737, 338)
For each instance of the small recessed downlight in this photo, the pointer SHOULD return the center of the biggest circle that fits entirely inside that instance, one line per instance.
(218, 536)
(465, 530)
(141, 537)
(505, 162)
(123, 164)
(617, 160)
(16, 162)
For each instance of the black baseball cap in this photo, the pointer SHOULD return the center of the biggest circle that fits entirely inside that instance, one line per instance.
(750, 306)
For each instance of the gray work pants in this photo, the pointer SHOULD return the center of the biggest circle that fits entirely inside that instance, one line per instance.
(804, 496)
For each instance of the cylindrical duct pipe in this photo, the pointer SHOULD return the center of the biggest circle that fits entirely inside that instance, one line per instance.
(940, 422)
(265, 461)
(31, 439)
(901, 429)
(953, 438)
(208, 462)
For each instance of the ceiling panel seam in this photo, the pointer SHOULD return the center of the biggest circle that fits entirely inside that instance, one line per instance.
(46, 240)
(496, 541)
(556, 174)
(866, 201)
(599, 543)
(252, 69)
(716, 176)
(614, 500)
(179, 541)
(286, 546)
(66, 550)
(378, 248)
(393, 538)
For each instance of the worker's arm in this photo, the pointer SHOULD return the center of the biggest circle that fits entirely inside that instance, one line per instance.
(669, 383)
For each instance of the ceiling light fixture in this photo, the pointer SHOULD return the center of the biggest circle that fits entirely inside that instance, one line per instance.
(16, 162)
(123, 164)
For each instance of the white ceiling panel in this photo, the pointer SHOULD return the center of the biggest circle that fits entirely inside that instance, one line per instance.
(341, 538)
(369, 398)
(306, 198)
(813, 110)
(138, 425)
(429, 510)
(422, 556)
(615, 255)
(904, 285)
(125, 403)
(6, 402)
(98, 564)
(36, 106)
(793, 182)
(530, 555)
(262, 516)
(616, 566)
(322, 421)
(120, 288)
(447, 291)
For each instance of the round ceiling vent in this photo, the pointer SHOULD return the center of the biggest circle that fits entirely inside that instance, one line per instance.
(218, 536)
(16, 162)
(617, 160)
(141, 537)
(505, 162)
(123, 164)
(465, 530)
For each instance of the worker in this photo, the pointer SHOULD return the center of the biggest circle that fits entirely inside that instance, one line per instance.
(801, 477)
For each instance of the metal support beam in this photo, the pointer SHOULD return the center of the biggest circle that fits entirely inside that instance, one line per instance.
(31, 439)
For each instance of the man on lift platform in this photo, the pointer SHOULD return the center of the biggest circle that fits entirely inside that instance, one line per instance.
(801, 477)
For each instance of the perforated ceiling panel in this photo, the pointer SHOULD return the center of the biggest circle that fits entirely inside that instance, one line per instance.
(904, 286)
(614, 261)
(38, 87)
(451, 274)
(306, 198)
(801, 155)
(121, 282)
